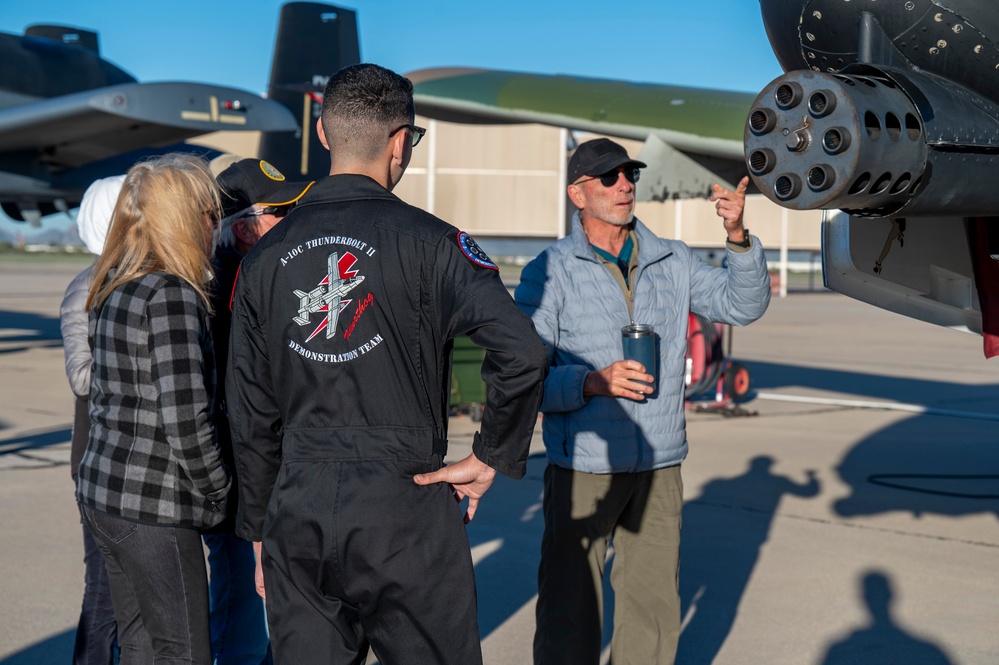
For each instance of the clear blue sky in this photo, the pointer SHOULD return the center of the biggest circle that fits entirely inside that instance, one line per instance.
(704, 43)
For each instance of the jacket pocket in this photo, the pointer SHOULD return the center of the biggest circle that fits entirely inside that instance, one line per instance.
(215, 502)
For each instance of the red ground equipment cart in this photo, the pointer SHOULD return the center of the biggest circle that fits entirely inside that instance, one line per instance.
(712, 381)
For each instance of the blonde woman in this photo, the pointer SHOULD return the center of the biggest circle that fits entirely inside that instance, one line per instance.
(152, 475)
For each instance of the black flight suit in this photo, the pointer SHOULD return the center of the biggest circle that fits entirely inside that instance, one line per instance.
(338, 393)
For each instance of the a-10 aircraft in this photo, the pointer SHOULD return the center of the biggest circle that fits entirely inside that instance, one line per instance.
(693, 136)
(68, 117)
(328, 297)
(888, 111)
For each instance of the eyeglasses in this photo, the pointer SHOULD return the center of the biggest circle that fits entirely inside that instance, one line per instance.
(417, 132)
(277, 211)
(609, 179)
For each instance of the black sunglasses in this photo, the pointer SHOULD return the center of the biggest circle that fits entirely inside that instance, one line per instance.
(277, 211)
(609, 179)
(417, 132)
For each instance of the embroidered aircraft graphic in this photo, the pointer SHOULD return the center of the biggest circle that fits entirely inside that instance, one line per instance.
(328, 296)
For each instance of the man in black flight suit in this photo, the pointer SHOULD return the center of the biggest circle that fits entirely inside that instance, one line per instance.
(338, 394)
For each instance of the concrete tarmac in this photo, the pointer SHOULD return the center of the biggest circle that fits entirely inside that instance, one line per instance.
(818, 531)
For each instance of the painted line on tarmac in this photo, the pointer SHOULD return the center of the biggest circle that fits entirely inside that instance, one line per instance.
(883, 406)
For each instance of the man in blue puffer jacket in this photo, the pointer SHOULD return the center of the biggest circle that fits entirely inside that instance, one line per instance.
(614, 444)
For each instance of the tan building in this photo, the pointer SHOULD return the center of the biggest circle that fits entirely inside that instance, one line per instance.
(508, 182)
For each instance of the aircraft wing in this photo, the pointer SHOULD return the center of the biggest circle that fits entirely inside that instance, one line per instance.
(72, 130)
(693, 135)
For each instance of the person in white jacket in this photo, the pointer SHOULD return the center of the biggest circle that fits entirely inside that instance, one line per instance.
(96, 632)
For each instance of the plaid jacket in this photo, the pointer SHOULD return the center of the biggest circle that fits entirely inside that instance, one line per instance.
(152, 454)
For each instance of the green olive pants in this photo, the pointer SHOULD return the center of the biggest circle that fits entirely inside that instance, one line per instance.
(640, 513)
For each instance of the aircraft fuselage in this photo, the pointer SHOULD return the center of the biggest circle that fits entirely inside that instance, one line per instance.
(39, 68)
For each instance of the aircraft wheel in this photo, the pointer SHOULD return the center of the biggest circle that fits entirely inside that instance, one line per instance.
(737, 382)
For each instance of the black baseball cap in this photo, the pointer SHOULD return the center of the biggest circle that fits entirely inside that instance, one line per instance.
(597, 157)
(250, 181)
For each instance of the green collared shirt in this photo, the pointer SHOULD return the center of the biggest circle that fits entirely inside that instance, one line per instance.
(623, 266)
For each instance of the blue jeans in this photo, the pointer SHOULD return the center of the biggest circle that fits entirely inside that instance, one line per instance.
(159, 586)
(239, 624)
(95, 634)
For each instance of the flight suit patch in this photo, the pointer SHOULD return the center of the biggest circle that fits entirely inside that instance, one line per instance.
(473, 252)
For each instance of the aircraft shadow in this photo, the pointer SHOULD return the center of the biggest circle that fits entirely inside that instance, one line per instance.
(723, 531)
(38, 331)
(923, 465)
(927, 463)
(939, 394)
(881, 640)
(510, 513)
(35, 440)
(54, 650)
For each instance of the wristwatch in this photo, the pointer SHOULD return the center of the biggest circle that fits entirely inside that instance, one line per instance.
(745, 240)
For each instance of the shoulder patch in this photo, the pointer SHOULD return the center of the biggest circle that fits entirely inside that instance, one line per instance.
(473, 252)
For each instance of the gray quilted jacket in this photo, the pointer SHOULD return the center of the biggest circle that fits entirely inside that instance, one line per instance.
(73, 324)
(578, 309)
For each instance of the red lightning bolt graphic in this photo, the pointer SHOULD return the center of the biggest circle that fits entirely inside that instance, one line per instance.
(344, 266)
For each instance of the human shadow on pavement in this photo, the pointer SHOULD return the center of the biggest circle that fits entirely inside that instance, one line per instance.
(35, 331)
(55, 650)
(882, 640)
(723, 531)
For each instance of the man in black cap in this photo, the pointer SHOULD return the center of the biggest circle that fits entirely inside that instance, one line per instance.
(614, 429)
(255, 197)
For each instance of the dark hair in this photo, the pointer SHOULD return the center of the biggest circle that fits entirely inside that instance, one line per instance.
(361, 105)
